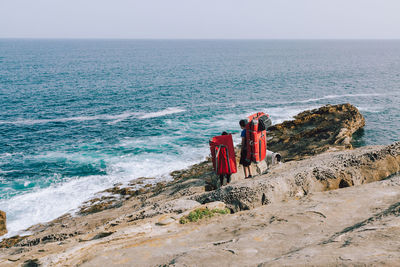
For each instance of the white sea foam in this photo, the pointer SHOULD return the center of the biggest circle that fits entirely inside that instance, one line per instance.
(113, 118)
(371, 109)
(5, 172)
(45, 204)
(280, 114)
(78, 118)
(167, 111)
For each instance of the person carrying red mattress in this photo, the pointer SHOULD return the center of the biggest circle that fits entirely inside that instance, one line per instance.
(223, 156)
(228, 176)
(243, 153)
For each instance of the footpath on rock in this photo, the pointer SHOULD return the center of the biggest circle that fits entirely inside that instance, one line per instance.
(291, 215)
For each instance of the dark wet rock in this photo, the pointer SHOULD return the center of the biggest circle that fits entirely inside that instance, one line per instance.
(31, 263)
(34, 241)
(315, 131)
(12, 241)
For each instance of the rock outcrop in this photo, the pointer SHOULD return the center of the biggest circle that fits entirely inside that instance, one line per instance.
(328, 171)
(356, 226)
(314, 131)
(3, 227)
(329, 128)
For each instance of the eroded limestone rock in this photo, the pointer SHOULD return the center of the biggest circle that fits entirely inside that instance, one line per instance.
(324, 172)
(315, 131)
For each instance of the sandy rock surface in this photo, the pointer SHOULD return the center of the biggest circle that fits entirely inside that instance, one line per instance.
(357, 225)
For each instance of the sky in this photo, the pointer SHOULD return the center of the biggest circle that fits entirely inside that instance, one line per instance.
(201, 19)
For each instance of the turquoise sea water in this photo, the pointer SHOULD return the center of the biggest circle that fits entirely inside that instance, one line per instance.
(77, 116)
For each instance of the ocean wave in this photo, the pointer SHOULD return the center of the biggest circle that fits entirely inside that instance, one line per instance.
(78, 118)
(167, 111)
(9, 155)
(5, 172)
(83, 157)
(114, 118)
(334, 96)
(309, 100)
(281, 114)
(33, 207)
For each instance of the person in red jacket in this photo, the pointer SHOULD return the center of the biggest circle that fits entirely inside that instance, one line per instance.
(243, 153)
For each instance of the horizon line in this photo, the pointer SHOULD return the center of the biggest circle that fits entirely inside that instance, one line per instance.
(205, 39)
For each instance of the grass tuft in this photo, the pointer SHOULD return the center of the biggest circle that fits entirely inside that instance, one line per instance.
(199, 214)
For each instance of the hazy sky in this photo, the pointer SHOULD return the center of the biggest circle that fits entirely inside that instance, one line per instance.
(255, 19)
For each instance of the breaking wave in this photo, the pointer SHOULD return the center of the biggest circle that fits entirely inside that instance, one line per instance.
(45, 204)
(167, 111)
(107, 117)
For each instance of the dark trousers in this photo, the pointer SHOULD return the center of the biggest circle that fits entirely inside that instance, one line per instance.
(221, 178)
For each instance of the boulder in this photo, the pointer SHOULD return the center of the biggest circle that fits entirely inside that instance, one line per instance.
(3, 227)
(215, 205)
(315, 131)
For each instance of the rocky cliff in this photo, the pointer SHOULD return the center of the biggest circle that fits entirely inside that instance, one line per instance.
(325, 209)
(328, 128)
(314, 131)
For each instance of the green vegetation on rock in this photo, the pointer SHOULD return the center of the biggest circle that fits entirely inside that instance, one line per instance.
(199, 214)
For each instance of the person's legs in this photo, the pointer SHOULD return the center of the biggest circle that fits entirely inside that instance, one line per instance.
(228, 178)
(243, 161)
(245, 171)
(221, 179)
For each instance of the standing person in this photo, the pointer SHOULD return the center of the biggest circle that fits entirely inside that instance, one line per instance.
(221, 176)
(243, 153)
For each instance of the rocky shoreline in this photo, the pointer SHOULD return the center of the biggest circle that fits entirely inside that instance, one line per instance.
(289, 211)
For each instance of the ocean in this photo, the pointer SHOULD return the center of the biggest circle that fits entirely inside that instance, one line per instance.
(78, 116)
